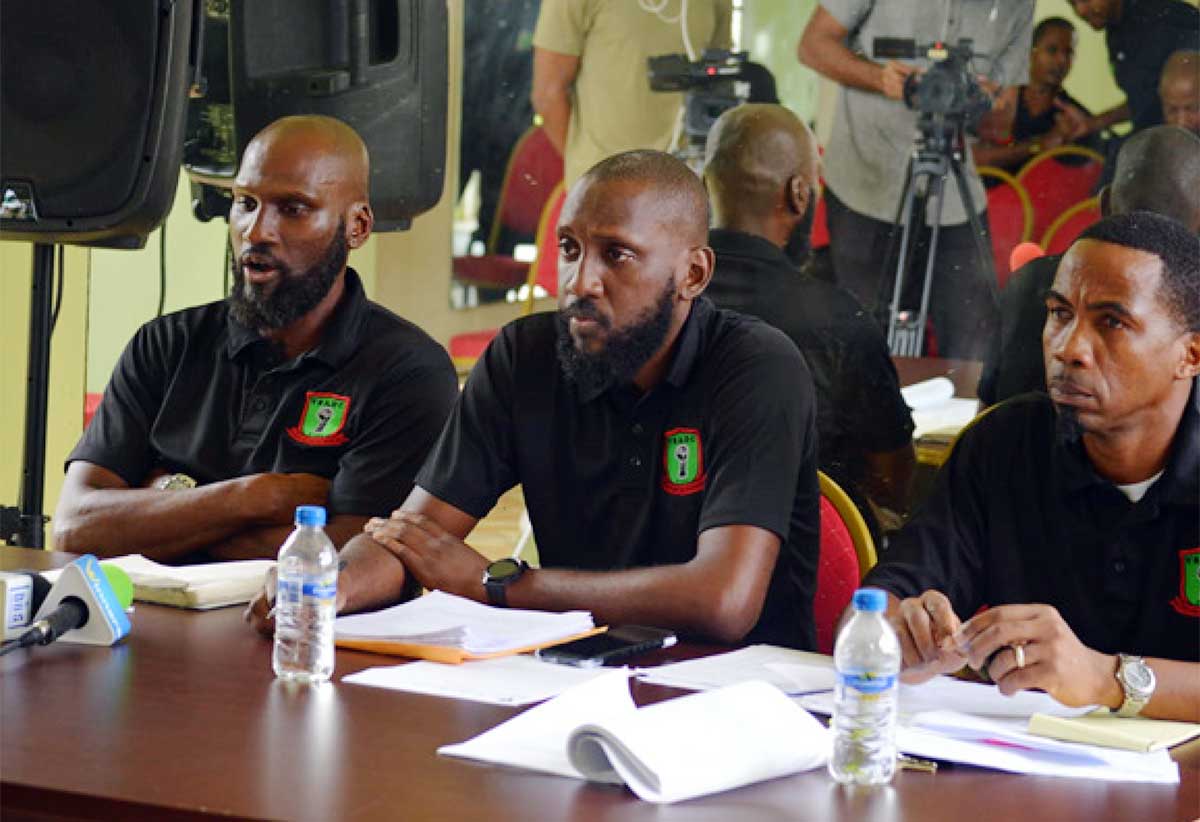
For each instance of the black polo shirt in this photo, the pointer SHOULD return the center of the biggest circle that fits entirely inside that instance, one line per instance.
(615, 480)
(1015, 517)
(859, 407)
(1138, 48)
(1014, 363)
(197, 393)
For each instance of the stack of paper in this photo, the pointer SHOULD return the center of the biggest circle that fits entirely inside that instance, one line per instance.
(448, 628)
(935, 409)
(793, 672)
(212, 585)
(679, 749)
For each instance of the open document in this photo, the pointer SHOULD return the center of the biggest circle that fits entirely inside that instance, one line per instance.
(667, 752)
(209, 585)
(448, 628)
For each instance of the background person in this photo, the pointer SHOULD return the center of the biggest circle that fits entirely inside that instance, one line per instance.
(1179, 88)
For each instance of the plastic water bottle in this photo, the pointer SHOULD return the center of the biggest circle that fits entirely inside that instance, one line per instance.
(305, 600)
(867, 658)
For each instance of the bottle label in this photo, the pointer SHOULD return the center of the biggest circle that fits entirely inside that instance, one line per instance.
(315, 589)
(867, 682)
(294, 591)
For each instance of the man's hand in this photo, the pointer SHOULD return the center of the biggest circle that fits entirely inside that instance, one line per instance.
(926, 626)
(260, 613)
(1072, 121)
(1055, 660)
(892, 76)
(438, 559)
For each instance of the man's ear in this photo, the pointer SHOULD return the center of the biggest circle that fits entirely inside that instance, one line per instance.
(701, 261)
(359, 223)
(797, 194)
(1188, 366)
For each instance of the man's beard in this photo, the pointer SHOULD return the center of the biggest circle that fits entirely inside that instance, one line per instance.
(1068, 430)
(625, 351)
(294, 295)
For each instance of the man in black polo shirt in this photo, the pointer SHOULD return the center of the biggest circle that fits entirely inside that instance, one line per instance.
(1140, 35)
(219, 420)
(1156, 170)
(760, 169)
(1076, 516)
(666, 448)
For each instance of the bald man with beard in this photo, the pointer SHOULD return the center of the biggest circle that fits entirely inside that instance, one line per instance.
(296, 389)
(761, 174)
(665, 447)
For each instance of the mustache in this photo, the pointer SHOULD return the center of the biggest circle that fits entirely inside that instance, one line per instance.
(260, 256)
(585, 309)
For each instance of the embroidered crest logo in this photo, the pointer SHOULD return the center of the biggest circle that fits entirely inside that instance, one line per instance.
(1188, 601)
(322, 420)
(683, 462)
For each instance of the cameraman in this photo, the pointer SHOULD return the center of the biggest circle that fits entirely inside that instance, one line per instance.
(873, 133)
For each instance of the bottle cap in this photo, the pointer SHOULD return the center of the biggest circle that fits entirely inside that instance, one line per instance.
(310, 515)
(870, 599)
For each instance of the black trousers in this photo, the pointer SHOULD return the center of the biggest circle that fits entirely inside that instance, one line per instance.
(962, 299)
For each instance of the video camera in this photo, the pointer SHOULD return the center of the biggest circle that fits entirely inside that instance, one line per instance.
(947, 93)
(711, 85)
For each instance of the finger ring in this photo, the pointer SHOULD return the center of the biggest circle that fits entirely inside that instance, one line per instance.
(1019, 650)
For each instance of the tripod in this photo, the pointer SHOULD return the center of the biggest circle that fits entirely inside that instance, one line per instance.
(938, 151)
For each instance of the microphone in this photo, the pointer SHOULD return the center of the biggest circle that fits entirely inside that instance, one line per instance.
(82, 606)
(21, 595)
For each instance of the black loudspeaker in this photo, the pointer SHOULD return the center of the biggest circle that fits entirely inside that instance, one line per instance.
(378, 65)
(92, 111)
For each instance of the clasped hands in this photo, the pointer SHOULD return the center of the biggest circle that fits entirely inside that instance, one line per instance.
(934, 641)
(434, 556)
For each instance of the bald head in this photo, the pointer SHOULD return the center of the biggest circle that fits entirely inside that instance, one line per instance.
(1158, 170)
(303, 140)
(1179, 88)
(676, 187)
(758, 160)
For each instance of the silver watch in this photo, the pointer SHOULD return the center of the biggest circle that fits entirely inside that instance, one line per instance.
(174, 482)
(1137, 681)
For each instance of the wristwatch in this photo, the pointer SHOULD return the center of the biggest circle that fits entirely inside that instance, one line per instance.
(1137, 681)
(174, 482)
(498, 576)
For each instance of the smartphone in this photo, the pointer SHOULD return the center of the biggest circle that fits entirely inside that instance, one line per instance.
(615, 643)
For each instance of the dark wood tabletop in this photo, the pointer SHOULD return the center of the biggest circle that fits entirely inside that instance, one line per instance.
(963, 373)
(184, 720)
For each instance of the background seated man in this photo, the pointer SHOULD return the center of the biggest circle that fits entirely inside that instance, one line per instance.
(1179, 88)
(1039, 121)
(1075, 516)
(1156, 170)
(666, 448)
(295, 389)
(761, 173)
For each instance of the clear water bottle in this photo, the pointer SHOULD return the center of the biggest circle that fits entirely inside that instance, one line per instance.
(867, 658)
(305, 600)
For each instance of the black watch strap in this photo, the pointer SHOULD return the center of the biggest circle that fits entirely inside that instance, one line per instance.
(498, 576)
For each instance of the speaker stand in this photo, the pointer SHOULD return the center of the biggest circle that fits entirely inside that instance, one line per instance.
(26, 525)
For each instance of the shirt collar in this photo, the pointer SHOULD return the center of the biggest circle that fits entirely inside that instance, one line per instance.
(339, 340)
(739, 243)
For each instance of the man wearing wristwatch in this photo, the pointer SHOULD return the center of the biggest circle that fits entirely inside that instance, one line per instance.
(295, 390)
(666, 448)
(1065, 529)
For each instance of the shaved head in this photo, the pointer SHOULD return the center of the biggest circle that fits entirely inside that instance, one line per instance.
(1158, 170)
(317, 137)
(760, 161)
(678, 189)
(1179, 88)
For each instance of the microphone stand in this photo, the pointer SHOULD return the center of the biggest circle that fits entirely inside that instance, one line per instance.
(25, 525)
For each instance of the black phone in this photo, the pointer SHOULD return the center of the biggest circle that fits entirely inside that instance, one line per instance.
(615, 643)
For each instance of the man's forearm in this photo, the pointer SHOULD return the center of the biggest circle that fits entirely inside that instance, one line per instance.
(555, 111)
(1110, 118)
(1177, 693)
(162, 525)
(373, 577)
(834, 59)
(263, 542)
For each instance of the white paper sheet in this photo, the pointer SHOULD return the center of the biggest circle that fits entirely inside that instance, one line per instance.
(510, 680)
(927, 393)
(793, 672)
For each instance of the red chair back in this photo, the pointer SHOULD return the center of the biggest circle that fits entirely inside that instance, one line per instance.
(837, 575)
(534, 168)
(545, 267)
(1070, 224)
(1007, 225)
(1054, 185)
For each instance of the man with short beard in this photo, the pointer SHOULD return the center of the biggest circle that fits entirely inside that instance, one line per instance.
(1074, 518)
(296, 389)
(666, 448)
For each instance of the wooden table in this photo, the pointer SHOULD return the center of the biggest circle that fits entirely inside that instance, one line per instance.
(963, 373)
(184, 720)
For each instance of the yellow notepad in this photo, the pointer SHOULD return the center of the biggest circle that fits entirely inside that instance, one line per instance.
(1103, 728)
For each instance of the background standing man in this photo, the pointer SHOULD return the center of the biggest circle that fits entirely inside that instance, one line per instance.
(296, 389)
(873, 134)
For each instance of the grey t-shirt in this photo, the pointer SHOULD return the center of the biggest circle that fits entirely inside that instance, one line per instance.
(867, 156)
